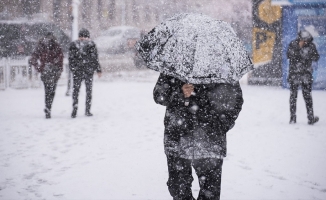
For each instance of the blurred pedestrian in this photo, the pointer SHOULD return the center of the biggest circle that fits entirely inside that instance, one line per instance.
(49, 54)
(301, 52)
(83, 62)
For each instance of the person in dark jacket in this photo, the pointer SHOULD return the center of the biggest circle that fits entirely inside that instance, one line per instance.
(301, 52)
(83, 62)
(49, 53)
(196, 121)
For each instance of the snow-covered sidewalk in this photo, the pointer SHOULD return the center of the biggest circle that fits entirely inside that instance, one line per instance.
(118, 153)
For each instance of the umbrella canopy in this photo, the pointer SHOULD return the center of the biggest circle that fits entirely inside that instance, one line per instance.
(195, 49)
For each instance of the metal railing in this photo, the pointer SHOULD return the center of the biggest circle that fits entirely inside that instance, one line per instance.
(17, 73)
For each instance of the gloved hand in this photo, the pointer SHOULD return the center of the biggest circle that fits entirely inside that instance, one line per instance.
(304, 53)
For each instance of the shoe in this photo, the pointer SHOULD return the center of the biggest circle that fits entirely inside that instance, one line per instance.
(47, 113)
(313, 121)
(88, 114)
(74, 113)
(293, 119)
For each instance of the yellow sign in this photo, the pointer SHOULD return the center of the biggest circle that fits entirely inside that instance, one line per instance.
(269, 13)
(263, 45)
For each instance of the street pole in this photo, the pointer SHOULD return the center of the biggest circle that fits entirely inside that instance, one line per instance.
(123, 16)
(75, 5)
(74, 36)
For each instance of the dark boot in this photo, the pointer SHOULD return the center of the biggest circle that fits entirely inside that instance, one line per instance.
(74, 112)
(293, 119)
(313, 120)
(190, 198)
(88, 113)
(47, 113)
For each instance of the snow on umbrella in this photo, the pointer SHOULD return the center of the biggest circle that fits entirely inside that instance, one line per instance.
(195, 49)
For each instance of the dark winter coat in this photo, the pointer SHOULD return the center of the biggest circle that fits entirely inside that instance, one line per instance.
(47, 51)
(300, 69)
(83, 57)
(198, 130)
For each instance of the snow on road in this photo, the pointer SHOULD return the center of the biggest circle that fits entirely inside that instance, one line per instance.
(118, 153)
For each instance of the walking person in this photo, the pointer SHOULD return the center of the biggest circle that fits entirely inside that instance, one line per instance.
(195, 133)
(200, 61)
(83, 62)
(49, 53)
(301, 52)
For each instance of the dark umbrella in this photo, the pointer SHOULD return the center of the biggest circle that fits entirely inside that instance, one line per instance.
(195, 49)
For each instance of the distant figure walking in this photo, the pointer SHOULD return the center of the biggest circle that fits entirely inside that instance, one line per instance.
(301, 52)
(83, 62)
(49, 53)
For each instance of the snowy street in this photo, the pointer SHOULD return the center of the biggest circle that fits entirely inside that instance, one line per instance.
(118, 153)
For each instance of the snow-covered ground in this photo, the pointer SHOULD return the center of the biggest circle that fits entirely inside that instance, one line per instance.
(118, 153)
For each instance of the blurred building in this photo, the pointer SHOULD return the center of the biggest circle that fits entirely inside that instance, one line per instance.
(99, 15)
(275, 24)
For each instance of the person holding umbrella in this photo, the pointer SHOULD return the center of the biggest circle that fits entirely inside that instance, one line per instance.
(200, 61)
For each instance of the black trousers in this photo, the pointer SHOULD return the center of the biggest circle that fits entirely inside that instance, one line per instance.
(77, 80)
(306, 91)
(208, 170)
(50, 85)
(69, 80)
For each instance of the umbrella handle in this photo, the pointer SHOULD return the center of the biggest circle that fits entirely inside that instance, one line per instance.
(186, 101)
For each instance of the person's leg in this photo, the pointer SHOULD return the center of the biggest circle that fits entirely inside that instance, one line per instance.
(52, 88)
(47, 108)
(306, 91)
(69, 81)
(293, 101)
(76, 87)
(47, 95)
(46, 79)
(89, 87)
(180, 178)
(209, 172)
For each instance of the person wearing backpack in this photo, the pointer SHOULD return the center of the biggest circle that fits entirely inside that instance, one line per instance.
(50, 56)
(83, 62)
